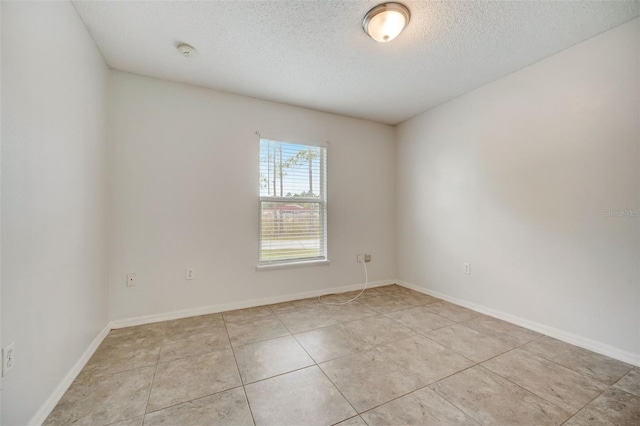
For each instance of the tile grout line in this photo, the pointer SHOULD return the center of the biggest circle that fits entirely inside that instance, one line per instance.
(380, 314)
(153, 379)
(576, 371)
(328, 378)
(349, 418)
(369, 349)
(479, 364)
(377, 315)
(233, 352)
(613, 387)
(193, 399)
(585, 406)
(191, 356)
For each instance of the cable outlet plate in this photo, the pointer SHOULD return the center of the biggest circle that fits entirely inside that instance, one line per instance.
(8, 359)
(131, 279)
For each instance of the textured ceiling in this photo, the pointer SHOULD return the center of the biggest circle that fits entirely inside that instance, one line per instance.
(315, 54)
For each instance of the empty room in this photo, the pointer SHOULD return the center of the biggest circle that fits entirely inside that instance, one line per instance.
(320, 212)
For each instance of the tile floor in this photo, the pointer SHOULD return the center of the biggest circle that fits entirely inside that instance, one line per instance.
(393, 357)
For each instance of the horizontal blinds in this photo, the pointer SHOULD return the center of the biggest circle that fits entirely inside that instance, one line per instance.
(290, 170)
(292, 202)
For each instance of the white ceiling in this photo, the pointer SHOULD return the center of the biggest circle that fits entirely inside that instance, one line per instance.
(315, 54)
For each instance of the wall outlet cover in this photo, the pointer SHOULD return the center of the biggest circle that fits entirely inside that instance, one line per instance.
(131, 280)
(8, 358)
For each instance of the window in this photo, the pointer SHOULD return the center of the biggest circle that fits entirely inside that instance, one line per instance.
(293, 202)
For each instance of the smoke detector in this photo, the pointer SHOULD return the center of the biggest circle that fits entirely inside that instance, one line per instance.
(186, 50)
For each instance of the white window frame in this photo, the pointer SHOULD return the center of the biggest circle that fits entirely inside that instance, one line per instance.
(322, 201)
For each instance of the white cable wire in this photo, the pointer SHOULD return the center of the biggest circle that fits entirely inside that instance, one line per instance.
(366, 282)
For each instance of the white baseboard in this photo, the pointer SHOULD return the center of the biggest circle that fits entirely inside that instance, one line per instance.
(54, 398)
(574, 339)
(212, 309)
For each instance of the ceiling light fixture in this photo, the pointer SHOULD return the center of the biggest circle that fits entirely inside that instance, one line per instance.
(386, 21)
(186, 50)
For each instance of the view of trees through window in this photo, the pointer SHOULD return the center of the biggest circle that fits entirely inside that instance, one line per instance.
(292, 195)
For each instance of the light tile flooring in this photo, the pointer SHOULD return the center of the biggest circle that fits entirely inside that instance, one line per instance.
(393, 357)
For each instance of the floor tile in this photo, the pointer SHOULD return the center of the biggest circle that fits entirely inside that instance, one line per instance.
(613, 407)
(309, 318)
(241, 333)
(422, 407)
(631, 382)
(415, 298)
(122, 352)
(368, 379)
(388, 302)
(261, 360)
(185, 327)
(148, 331)
(353, 421)
(294, 305)
(324, 344)
(134, 421)
(207, 340)
(553, 382)
(225, 408)
(600, 367)
(452, 312)
(502, 330)
(242, 316)
(351, 311)
(492, 400)
(324, 316)
(194, 377)
(342, 297)
(395, 355)
(301, 397)
(420, 319)
(379, 330)
(102, 399)
(389, 288)
(424, 358)
(470, 343)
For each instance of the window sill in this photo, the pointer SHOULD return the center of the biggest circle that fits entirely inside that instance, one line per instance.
(292, 265)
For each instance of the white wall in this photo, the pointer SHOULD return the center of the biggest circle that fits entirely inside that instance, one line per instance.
(184, 193)
(54, 291)
(515, 178)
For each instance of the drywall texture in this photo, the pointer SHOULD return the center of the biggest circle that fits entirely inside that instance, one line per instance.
(54, 291)
(517, 178)
(184, 193)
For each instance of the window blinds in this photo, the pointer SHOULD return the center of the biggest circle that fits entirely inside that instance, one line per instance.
(293, 202)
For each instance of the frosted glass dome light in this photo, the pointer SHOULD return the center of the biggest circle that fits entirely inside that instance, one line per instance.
(386, 21)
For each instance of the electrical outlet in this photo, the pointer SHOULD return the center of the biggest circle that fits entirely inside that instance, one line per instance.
(360, 258)
(367, 257)
(190, 274)
(8, 359)
(467, 268)
(131, 279)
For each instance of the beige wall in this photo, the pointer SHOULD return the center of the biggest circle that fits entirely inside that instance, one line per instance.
(516, 178)
(184, 193)
(54, 291)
